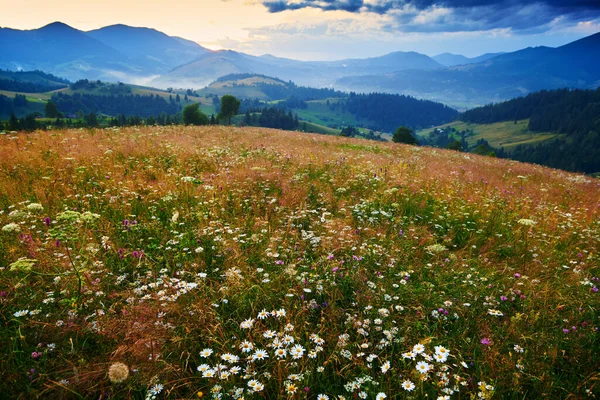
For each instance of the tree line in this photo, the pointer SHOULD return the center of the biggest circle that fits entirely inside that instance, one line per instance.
(30, 81)
(386, 112)
(575, 114)
(130, 105)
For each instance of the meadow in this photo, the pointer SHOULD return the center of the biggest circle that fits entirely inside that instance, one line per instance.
(245, 263)
(507, 135)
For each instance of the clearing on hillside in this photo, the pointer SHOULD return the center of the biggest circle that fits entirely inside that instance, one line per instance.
(499, 134)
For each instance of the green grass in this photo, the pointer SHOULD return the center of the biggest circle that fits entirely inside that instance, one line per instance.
(500, 134)
(311, 127)
(320, 113)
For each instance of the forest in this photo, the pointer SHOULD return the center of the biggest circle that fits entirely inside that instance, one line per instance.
(30, 81)
(386, 112)
(575, 114)
(129, 105)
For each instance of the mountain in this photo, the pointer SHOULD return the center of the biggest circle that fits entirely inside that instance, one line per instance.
(116, 52)
(59, 49)
(499, 78)
(211, 66)
(148, 47)
(450, 60)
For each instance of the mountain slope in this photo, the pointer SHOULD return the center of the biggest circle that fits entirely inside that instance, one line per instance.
(149, 47)
(211, 66)
(496, 79)
(51, 45)
(451, 60)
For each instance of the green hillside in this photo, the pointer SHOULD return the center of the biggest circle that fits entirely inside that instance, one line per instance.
(505, 135)
(319, 112)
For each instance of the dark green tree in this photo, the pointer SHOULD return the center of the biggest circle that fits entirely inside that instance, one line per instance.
(455, 145)
(51, 110)
(404, 135)
(13, 123)
(91, 120)
(230, 106)
(193, 116)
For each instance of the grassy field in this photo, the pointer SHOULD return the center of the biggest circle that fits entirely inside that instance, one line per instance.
(500, 134)
(316, 128)
(246, 263)
(319, 112)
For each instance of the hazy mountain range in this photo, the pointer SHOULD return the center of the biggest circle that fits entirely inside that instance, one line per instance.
(143, 55)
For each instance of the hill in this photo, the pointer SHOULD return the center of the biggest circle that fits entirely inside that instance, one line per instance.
(30, 81)
(306, 261)
(113, 53)
(497, 79)
(211, 66)
(572, 113)
(451, 60)
(499, 135)
(61, 50)
(149, 48)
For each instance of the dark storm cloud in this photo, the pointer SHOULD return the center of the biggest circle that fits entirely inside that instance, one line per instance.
(527, 16)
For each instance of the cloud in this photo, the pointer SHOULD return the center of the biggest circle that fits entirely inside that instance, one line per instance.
(522, 16)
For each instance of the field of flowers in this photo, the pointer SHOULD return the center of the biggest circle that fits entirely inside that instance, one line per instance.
(242, 263)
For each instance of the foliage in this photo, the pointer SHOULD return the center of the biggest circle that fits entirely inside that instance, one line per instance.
(572, 113)
(386, 111)
(404, 135)
(193, 116)
(141, 105)
(51, 110)
(30, 81)
(229, 107)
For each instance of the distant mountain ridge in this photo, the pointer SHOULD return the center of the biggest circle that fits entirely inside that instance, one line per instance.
(147, 56)
(211, 66)
(116, 52)
(500, 78)
(451, 60)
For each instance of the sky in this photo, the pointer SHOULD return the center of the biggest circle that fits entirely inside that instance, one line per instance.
(330, 29)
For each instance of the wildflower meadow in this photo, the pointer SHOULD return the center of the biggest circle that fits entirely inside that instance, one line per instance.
(247, 263)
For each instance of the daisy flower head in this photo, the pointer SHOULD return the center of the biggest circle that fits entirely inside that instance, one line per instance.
(322, 397)
(297, 351)
(258, 387)
(280, 353)
(418, 348)
(268, 334)
(260, 354)
(230, 358)
(203, 367)
(385, 367)
(247, 324)
(380, 396)
(423, 367)
(518, 349)
(206, 353)
(246, 346)
(156, 389)
(408, 386)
